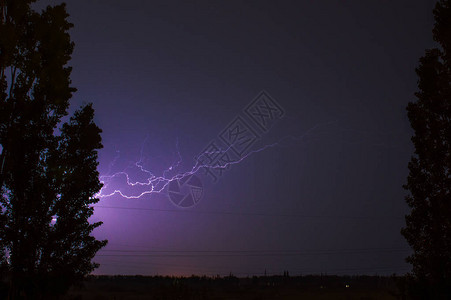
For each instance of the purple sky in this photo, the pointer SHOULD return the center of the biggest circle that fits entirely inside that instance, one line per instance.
(166, 78)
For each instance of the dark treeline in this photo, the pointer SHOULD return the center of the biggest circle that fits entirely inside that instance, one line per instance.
(217, 287)
(304, 281)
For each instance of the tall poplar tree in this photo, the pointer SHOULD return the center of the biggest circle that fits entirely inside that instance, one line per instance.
(428, 226)
(48, 181)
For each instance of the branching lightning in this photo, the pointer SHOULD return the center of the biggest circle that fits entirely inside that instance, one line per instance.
(156, 184)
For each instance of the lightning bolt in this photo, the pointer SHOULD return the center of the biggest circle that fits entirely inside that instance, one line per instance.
(156, 184)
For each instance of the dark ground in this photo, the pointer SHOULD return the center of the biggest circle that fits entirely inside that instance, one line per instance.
(263, 287)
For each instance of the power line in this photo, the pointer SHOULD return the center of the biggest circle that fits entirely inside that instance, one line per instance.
(261, 251)
(251, 214)
(209, 254)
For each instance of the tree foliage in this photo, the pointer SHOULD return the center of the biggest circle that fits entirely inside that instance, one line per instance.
(47, 180)
(428, 226)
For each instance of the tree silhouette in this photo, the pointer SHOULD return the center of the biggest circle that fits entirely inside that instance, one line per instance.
(47, 180)
(428, 226)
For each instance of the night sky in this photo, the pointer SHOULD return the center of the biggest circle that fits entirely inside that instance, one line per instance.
(324, 194)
